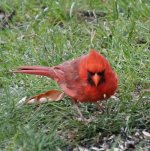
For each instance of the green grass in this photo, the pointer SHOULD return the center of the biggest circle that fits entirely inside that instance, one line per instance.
(36, 37)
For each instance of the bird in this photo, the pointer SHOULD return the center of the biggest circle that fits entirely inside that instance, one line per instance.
(88, 78)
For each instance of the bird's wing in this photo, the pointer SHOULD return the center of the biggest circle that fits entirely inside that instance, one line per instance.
(70, 81)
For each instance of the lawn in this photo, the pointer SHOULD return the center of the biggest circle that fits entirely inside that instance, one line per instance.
(50, 32)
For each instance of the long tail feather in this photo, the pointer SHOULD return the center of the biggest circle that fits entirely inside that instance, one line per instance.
(36, 70)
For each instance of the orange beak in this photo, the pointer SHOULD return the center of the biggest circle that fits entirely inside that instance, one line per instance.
(96, 79)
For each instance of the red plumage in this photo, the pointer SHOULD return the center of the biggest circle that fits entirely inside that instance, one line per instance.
(88, 78)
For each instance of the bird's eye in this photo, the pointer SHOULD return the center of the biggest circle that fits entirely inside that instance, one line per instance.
(91, 73)
(101, 73)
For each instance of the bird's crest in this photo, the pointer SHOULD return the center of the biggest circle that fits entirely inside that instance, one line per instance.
(95, 61)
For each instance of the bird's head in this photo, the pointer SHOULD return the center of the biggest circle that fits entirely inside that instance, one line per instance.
(93, 68)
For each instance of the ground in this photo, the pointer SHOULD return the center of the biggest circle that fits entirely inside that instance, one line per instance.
(48, 33)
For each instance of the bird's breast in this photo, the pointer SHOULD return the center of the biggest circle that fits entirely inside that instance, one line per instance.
(91, 94)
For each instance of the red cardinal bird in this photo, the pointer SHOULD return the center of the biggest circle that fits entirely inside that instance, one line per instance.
(88, 78)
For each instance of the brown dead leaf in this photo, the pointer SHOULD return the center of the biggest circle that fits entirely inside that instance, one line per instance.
(52, 95)
(49, 96)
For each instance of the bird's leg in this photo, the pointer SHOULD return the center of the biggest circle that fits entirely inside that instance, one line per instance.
(100, 107)
(76, 106)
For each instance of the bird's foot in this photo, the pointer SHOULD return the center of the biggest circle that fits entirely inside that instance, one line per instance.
(76, 106)
(100, 107)
(83, 119)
